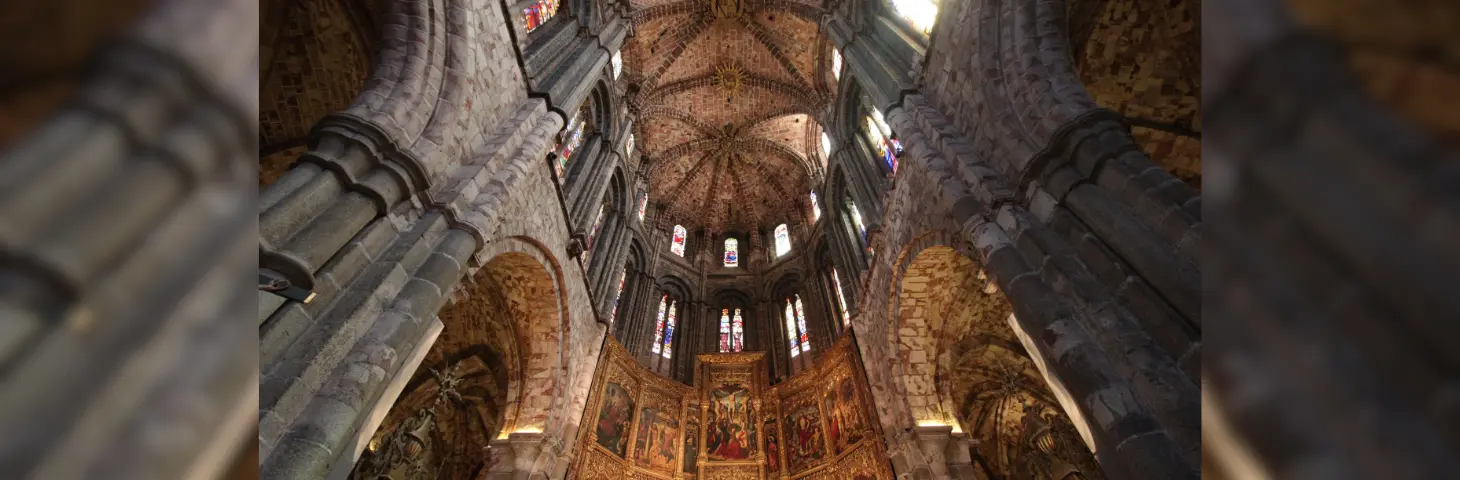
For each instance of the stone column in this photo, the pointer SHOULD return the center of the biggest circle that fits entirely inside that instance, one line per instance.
(127, 231)
(350, 176)
(308, 442)
(934, 441)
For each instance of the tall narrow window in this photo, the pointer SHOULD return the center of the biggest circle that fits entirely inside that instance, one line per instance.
(571, 140)
(724, 330)
(857, 220)
(791, 329)
(676, 245)
(618, 63)
(882, 139)
(815, 208)
(643, 204)
(659, 325)
(597, 222)
(801, 323)
(841, 301)
(538, 13)
(669, 330)
(732, 255)
(920, 13)
(732, 331)
(629, 146)
(737, 331)
(836, 63)
(783, 240)
(614, 313)
(825, 145)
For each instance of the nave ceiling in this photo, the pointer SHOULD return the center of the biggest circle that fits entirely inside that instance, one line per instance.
(725, 93)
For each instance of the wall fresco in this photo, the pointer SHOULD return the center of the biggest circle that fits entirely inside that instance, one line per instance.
(732, 425)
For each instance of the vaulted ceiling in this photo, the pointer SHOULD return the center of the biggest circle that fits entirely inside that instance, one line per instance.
(726, 93)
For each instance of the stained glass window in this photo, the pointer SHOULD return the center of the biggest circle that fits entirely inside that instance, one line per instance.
(618, 64)
(881, 137)
(538, 13)
(724, 330)
(643, 204)
(732, 254)
(791, 328)
(614, 313)
(783, 240)
(676, 245)
(732, 331)
(836, 63)
(815, 208)
(801, 323)
(920, 13)
(573, 139)
(659, 324)
(737, 332)
(857, 220)
(669, 331)
(836, 281)
(597, 222)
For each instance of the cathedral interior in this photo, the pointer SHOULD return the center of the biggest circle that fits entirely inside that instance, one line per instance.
(711, 239)
(730, 239)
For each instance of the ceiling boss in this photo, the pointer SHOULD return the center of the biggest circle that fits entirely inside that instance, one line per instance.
(728, 9)
(728, 79)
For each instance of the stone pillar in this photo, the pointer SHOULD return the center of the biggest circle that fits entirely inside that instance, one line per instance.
(960, 462)
(934, 441)
(126, 226)
(309, 441)
(350, 176)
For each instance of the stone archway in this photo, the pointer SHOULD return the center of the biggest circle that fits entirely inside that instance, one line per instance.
(492, 371)
(961, 364)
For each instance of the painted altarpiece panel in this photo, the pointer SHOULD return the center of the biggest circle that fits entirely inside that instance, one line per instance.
(732, 424)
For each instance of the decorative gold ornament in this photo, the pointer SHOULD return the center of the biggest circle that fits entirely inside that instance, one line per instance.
(728, 9)
(729, 78)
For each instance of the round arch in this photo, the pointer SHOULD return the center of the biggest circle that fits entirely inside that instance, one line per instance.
(959, 361)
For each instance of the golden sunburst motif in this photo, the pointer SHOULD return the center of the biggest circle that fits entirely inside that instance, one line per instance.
(728, 79)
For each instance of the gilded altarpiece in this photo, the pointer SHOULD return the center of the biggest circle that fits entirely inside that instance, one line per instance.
(634, 423)
(732, 424)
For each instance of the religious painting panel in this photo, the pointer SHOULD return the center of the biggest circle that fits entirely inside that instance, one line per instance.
(730, 431)
(614, 415)
(657, 443)
(691, 443)
(804, 447)
(772, 446)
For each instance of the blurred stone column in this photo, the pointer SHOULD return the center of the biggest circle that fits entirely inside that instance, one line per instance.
(127, 235)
